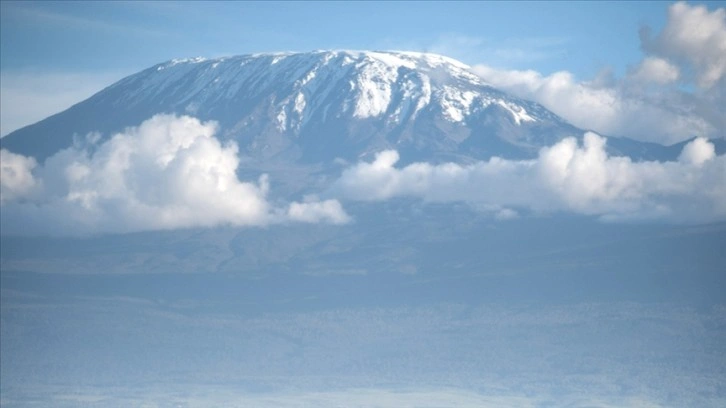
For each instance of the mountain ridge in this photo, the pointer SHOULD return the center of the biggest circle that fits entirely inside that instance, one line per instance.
(321, 105)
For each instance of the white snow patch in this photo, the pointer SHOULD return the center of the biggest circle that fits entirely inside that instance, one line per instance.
(300, 103)
(518, 113)
(282, 120)
(277, 59)
(374, 84)
(456, 104)
(391, 60)
(195, 60)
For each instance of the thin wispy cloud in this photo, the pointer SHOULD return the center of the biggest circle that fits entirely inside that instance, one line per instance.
(507, 52)
(38, 15)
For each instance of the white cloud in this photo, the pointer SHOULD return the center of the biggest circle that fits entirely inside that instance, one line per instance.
(697, 152)
(608, 110)
(567, 177)
(657, 70)
(16, 179)
(170, 172)
(312, 210)
(646, 104)
(695, 36)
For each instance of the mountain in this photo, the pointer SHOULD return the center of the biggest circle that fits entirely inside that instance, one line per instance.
(317, 106)
(499, 287)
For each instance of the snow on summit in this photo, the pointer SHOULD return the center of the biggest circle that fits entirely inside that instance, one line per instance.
(365, 83)
(318, 105)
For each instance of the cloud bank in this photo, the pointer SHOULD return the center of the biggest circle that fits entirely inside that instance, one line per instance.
(170, 172)
(567, 177)
(652, 101)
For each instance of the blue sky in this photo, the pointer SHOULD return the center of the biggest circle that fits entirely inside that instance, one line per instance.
(581, 37)
(55, 54)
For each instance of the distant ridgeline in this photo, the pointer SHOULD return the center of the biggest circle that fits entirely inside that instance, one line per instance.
(318, 106)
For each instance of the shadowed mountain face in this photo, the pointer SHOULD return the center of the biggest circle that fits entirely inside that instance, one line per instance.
(318, 106)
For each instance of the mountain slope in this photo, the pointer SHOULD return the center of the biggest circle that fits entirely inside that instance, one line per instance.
(317, 105)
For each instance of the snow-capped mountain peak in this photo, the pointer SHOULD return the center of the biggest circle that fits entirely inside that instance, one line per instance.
(374, 81)
(320, 104)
